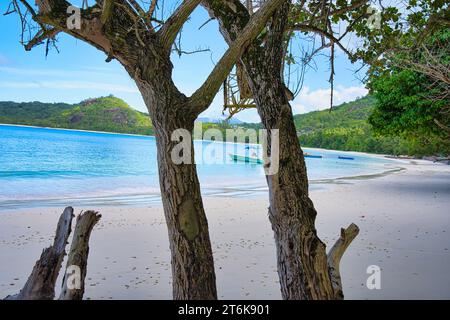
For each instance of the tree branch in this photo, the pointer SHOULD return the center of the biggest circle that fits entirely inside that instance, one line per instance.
(173, 25)
(334, 258)
(40, 37)
(201, 98)
(351, 7)
(329, 36)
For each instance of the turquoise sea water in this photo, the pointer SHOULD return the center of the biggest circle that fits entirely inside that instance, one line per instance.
(45, 167)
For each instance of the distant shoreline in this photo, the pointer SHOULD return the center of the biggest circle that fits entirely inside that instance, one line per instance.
(383, 156)
(78, 130)
(374, 155)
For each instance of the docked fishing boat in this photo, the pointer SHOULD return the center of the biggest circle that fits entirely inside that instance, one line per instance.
(307, 155)
(244, 158)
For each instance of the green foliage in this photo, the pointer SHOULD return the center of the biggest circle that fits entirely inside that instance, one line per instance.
(109, 114)
(413, 102)
(346, 128)
(401, 107)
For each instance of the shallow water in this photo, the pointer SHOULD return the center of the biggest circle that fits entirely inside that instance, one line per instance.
(44, 167)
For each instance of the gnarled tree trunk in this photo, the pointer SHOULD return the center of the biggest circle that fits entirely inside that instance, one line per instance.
(193, 275)
(302, 260)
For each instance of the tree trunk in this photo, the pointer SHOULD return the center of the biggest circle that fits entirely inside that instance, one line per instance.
(41, 283)
(193, 275)
(78, 256)
(302, 260)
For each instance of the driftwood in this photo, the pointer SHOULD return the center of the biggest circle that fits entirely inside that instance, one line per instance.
(73, 284)
(334, 258)
(41, 283)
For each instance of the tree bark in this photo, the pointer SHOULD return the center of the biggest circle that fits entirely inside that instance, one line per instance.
(193, 275)
(78, 255)
(301, 255)
(334, 258)
(41, 283)
(302, 261)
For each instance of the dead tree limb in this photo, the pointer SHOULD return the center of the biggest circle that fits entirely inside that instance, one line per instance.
(334, 258)
(41, 283)
(76, 269)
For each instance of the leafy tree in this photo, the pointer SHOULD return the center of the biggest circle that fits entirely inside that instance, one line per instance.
(412, 91)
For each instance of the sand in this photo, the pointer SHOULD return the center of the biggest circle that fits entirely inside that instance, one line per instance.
(404, 219)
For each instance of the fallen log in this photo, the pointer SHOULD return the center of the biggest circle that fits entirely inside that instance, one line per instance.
(41, 283)
(76, 268)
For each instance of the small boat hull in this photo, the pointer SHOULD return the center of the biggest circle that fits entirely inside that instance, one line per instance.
(247, 159)
(313, 156)
(346, 158)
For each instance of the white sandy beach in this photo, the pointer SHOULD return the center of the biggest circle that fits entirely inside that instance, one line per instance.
(404, 219)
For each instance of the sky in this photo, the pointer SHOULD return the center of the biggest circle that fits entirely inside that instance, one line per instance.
(79, 71)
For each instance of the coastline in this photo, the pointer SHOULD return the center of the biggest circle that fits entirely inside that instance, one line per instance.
(154, 198)
(76, 130)
(147, 193)
(375, 155)
(403, 218)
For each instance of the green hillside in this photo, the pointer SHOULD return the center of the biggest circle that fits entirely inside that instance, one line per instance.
(108, 114)
(346, 128)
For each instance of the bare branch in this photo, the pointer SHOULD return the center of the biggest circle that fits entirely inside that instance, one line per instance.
(201, 98)
(40, 37)
(151, 9)
(334, 257)
(173, 25)
(326, 34)
(331, 80)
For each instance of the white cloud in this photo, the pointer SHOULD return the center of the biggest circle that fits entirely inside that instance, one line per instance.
(319, 99)
(69, 85)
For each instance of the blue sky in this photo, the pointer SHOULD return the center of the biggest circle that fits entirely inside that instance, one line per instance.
(79, 71)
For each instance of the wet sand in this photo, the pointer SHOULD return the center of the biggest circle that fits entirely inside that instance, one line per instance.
(404, 219)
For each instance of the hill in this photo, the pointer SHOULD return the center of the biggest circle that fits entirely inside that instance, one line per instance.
(346, 128)
(108, 114)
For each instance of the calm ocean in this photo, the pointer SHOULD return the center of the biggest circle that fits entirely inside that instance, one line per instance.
(48, 167)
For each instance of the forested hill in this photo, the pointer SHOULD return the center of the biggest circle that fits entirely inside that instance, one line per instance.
(346, 115)
(108, 114)
(346, 128)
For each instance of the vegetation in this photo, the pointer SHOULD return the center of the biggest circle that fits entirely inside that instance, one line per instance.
(412, 94)
(346, 128)
(108, 114)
